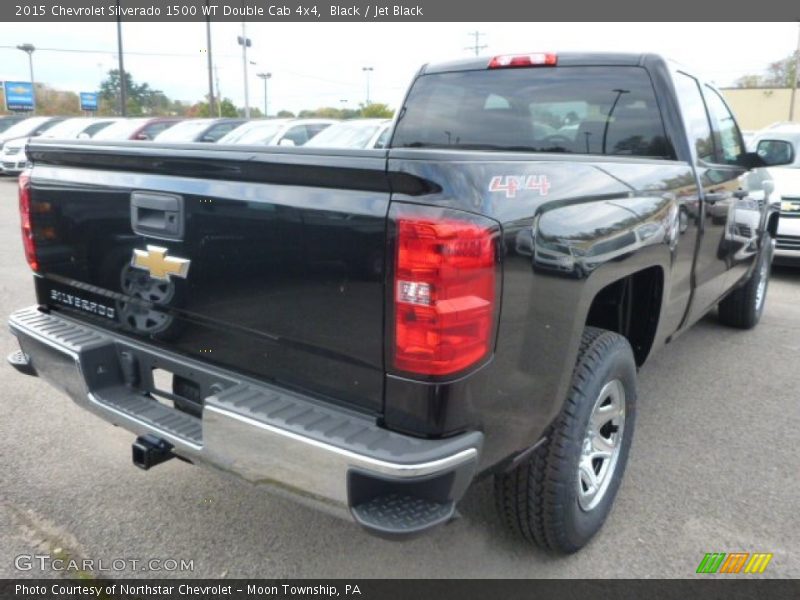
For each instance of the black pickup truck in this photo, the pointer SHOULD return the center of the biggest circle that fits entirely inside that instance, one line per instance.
(371, 331)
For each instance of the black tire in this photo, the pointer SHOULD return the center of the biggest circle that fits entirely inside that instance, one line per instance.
(744, 306)
(540, 498)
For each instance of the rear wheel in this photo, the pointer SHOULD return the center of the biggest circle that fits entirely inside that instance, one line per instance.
(744, 306)
(562, 495)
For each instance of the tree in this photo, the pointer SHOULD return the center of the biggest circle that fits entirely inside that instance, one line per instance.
(376, 111)
(779, 74)
(56, 102)
(285, 114)
(141, 99)
(373, 111)
(227, 109)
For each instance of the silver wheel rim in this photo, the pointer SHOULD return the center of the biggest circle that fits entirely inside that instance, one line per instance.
(601, 445)
(761, 290)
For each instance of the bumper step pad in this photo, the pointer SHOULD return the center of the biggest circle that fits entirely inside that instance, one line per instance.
(399, 514)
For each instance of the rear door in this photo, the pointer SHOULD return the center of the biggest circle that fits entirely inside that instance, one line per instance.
(744, 217)
(717, 182)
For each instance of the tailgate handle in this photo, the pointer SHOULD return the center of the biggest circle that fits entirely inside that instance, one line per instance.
(157, 215)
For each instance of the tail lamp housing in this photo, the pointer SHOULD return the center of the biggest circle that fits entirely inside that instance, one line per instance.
(445, 290)
(28, 239)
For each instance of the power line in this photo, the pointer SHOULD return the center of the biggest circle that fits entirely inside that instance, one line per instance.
(179, 55)
(128, 52)
(476, 47)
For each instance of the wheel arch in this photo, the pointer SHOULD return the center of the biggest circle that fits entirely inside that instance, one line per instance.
(630, 304)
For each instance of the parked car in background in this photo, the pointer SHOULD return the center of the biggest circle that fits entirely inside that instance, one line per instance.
(198, 130)
(141, 129)
(9, 120)
(358, 133)
(779, 144)
(277, 132)
(79, 128)
(13, 159)
(30, 127)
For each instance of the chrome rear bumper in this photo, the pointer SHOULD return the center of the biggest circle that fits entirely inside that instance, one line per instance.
(324, 455)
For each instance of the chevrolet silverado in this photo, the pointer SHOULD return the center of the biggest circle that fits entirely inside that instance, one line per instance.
(372, 331)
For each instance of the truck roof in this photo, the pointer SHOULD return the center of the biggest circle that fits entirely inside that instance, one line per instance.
(571, 59)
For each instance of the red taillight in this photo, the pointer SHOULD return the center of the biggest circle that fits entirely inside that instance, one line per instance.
(444, 294)
(28, 240)
(537, 59)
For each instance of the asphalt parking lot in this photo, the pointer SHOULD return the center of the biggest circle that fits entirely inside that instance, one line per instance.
(714, 468)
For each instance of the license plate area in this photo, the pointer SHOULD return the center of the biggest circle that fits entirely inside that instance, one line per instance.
(172, 382)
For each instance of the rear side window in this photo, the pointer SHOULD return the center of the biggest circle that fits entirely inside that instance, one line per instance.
(297, 134)
(217, 131)
(314, 128)
(587, 110)
(45, 126)
(95, 127)
(729, 140)
(153, 129)
(695, 116)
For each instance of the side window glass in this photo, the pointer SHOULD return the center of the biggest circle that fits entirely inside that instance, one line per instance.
(297, 134)
(314, 129)
(695, 117)
(153, 130)
(383, 138)
(219, 130)
(730, 140)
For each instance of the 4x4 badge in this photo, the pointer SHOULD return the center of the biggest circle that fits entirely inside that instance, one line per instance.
(160, 266)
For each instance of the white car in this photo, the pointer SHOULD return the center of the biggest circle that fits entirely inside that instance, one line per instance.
(782, 144)
(276, 132)
(356, 133)
(31, 127)
(13, 159)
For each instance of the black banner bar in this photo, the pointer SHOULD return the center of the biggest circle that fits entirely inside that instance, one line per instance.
(728, 588)
(395, 10)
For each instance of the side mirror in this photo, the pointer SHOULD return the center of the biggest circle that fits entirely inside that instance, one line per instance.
(286, 142)
(208, 139)
(751, 160)
(775, 153)
(141, 136)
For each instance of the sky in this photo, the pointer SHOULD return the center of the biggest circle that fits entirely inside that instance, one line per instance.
(320, 64)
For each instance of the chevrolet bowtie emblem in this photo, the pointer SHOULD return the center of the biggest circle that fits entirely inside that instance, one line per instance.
(790, 206)
(160, 266)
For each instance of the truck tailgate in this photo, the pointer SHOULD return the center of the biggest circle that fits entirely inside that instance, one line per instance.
(264, 262)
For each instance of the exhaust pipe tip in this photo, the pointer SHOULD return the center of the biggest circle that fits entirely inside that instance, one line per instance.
(148, 451)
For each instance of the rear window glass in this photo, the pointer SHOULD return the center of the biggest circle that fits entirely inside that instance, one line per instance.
(587, 110)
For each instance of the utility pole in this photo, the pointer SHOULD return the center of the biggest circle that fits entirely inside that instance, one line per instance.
(796, 76)
(29, 49)
(219, 91)
(476, 47)
(265, 77)
(245, 43)
(211, 108)
(367, 71)
(123, 91)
